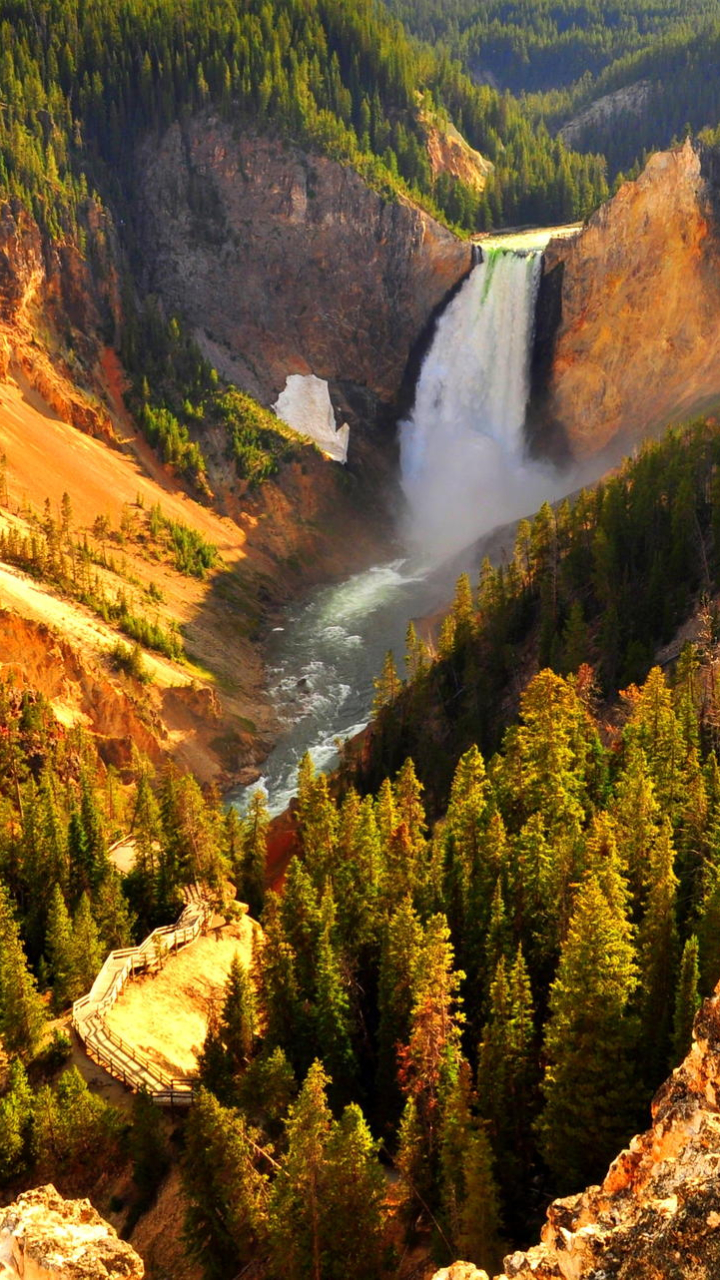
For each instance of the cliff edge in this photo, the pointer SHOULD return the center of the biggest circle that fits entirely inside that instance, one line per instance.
(286, 262)
(628, 337)
(656, 1216)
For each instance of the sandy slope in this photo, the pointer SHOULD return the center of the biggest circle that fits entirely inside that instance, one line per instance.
(46, 458)
(77, 624)
(43, 458)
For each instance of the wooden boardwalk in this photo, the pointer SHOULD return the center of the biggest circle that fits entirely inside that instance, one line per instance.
(124, 1061)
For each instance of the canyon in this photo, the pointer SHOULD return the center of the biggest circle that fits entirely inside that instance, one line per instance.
(283, 263)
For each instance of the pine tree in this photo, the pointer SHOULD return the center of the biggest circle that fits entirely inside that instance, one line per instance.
(432, 1050)
(60, 952)
(478, 1238)
(353, 1203)
(590, 1040)
(658, 956)
(298, 1230)
(687, 1001)
(388, 685)
(238, 1019)
(463, 832)
(276, 983)
(254, 852)
(319, 832)
(551, 746)
(575, 639)
(225, 1178)
(16, 1114)
(508, 1074)
(469, 1196)
(332, 1017)
(399, 959)
(112, 913)
(655, 728)
(22, 1015)
(301, 916)
(88, 950)
(637, 816)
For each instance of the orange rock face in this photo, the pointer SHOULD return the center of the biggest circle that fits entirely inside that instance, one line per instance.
(638, 340)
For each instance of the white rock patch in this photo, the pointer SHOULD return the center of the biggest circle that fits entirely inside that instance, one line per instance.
(304, 404)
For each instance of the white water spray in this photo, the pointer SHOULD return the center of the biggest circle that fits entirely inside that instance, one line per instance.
(464, 466)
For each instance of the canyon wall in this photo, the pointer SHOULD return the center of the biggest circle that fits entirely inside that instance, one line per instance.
(657, 1213)
(628, 335)
(59, 302)
(286, 262)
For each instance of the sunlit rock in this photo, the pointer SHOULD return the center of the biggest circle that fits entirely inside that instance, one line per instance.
(44, 1237)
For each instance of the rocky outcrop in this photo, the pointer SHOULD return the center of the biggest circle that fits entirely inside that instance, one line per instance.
(43, 1237)
(619, 107)
(286, 262)
(48, 288)
(629, 311)
(449, 152)
(657, 1214)
(79, 691)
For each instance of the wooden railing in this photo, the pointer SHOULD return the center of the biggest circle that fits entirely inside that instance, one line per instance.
(124, 1061)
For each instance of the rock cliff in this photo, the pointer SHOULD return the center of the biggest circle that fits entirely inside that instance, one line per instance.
(43, 1237)
(628, 336)
(286, 262)
(56, 309)
(657, 1214)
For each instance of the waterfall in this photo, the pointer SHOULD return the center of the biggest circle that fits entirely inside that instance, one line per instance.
(464, 468)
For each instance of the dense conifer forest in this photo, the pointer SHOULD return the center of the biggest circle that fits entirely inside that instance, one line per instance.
(468, 991)
(78, 90)
(559, 56)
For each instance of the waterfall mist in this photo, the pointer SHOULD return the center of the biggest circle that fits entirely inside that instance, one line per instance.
(463, 458)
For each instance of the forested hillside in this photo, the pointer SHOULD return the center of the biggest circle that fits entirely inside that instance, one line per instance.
(566, 55)
(550, 44)
(77, 91)
(483, 960)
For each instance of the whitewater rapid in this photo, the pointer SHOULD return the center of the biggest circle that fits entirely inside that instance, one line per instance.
(323, 662)
(463, 460)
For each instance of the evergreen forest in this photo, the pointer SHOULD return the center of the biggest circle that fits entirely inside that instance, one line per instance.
(472, 979)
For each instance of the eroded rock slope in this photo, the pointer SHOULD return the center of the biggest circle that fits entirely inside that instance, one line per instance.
(286, 262)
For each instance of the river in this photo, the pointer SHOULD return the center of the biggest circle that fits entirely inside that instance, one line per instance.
(464, 472)
(323, 661)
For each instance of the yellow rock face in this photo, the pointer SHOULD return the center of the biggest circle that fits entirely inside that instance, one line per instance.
(638, 343)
